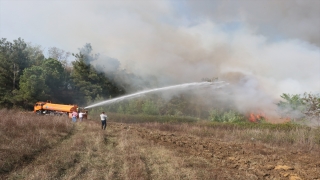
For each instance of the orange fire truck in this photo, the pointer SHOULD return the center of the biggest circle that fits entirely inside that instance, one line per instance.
(48, 108)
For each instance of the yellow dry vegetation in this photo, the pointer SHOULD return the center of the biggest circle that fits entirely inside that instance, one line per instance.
(56, 148)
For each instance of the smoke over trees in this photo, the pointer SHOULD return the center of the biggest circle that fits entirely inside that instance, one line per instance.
(89, 84)
(27, 76)
(301, 107)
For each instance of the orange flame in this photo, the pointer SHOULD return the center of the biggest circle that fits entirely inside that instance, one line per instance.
(256, 117)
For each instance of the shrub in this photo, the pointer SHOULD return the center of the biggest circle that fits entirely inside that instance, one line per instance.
(301, 108)
(228, 116)
(150, 108)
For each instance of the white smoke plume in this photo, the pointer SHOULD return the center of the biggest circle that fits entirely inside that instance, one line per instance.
(262, 48)
(296, 19)
(259, 65)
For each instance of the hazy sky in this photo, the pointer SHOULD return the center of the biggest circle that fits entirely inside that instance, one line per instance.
(272, 46)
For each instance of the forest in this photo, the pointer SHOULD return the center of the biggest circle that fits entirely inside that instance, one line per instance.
(27, 76)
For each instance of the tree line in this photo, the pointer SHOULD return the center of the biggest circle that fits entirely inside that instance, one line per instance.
(27, 76)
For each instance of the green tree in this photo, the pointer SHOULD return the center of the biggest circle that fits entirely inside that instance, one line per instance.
(312, 110)
(298, 107)
(14, 59)
(59, 54)
(292, 102)
(35, 54)
(62, 56)
(292, 106)
(87, 82)
(32, 86)
(5, 82)
(54, 75)
(312, 102)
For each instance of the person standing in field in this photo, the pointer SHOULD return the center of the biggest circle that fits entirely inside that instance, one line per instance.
(81, 115)
(74, 116)
(103, 118)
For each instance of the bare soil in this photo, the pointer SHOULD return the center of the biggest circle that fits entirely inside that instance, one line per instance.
(132, 151)
(233, 160)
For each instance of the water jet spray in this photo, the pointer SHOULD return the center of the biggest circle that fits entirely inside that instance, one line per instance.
(217, 84)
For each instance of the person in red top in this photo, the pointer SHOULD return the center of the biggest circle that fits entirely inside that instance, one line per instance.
(74, 116)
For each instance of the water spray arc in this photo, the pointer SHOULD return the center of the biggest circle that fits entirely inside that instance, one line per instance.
(217, 85)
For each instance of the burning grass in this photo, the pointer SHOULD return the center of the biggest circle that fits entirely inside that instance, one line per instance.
(24, 135)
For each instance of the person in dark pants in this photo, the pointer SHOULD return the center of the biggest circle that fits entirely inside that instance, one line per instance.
(103, 118)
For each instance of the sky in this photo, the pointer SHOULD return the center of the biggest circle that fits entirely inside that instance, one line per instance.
(263, 48)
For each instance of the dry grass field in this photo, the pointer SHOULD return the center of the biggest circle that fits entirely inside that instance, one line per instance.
(51, 147)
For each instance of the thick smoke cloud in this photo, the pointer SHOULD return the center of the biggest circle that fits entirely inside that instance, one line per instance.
(297, 19)
(262, 48)
(261, 55)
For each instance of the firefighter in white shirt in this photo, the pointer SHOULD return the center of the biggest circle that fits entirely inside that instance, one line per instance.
(103, 117)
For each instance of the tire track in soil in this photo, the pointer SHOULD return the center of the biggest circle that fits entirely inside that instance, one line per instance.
(148, 170)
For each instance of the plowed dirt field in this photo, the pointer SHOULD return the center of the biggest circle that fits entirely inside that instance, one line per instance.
(134, 151)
